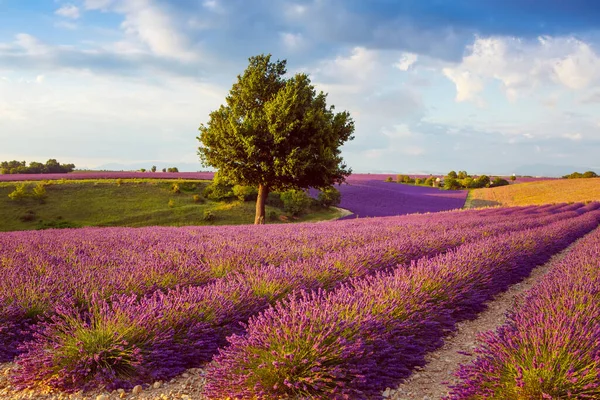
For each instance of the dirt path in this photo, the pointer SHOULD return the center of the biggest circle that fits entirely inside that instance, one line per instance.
(432, 381)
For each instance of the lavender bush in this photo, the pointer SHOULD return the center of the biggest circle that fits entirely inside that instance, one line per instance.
(550, 347)
(368, 334)
(182, 291)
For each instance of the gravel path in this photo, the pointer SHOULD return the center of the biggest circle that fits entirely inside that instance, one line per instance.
(432, 381)
(427, 383)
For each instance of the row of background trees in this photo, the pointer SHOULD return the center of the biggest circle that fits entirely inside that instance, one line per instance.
(153, 169)
(454, 181)
(578, 175)
(20, 167)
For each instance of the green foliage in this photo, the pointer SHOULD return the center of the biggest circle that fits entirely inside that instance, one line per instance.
(499, 182)
(579, 175)
(429, 181)
(462, 175)
(172, 169)
(119, 182)
(482, 181)
(452, 174)
(275, 133)
(171, 203)
(274, 200)
(273, 216)
(513, 177)
(20, 167)
(219, 190)
(39, 192)
(389, 179)
(153, 169)
(418, 181)
(451, 184)
(20, 192)
(208, 216)
(245, 193)
(329, 197)
(197, 199)
(142, 169)
(164, 170)
(295, 201)
(408, 179)
(175, 188)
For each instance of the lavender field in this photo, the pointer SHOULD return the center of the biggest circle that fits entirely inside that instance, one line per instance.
(333, 309)
(377, 198)
(550, 346)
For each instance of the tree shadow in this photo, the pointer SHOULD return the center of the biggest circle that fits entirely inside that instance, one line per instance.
(479, 203)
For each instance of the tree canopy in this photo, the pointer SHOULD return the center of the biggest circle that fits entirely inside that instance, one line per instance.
(276, 133)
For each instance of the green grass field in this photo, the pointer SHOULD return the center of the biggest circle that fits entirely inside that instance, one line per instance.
(129, 202)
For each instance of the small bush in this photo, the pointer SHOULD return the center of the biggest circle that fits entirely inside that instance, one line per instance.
(175, 188)
(171, 203)
(20, 192)
(208, 216)
(197, 198)
(245, 193)
(28, 216)
(39, 192)
(274, 200)
(418, 181)
(389, 179)
(119, 182)
(273, 216)
(429, 181)
(218, 191)
(513, 178)
(399, 178)
(329, 197)
(295, 201)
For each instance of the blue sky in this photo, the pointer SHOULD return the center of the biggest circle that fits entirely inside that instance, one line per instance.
(433, 85)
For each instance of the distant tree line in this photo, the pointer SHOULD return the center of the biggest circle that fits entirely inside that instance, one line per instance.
(454, 181)
(20, 167)
(578, 175)
(462, 180)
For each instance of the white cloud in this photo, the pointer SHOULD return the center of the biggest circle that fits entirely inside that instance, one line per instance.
(573, 136)
(40, 78)
(578, 69)
(152, 25)
(406, 61)
(292, 41)
(31, 44)
(522, 66)
(68, 11)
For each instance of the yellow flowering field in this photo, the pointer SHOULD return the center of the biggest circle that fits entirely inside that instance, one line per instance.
(538, 192)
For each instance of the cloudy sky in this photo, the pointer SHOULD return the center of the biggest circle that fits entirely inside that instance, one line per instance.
(433, 85)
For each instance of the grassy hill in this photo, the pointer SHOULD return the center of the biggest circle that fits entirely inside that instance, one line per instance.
(130, 202)
(539, 192)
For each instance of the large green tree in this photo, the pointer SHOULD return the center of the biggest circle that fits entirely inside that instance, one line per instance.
(275, 133)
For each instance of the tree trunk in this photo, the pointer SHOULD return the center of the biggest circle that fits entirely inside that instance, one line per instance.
(263, 191)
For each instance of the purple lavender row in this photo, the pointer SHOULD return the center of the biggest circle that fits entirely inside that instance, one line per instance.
(160, 335)
(550, 347)
(369, 334)
(41, 266)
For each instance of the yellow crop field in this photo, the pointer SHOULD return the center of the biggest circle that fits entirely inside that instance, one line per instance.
(538, 192)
